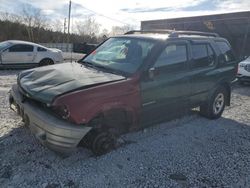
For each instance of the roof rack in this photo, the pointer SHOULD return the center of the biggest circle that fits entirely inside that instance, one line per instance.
(173, 33)
(149, 31)
(208, 34)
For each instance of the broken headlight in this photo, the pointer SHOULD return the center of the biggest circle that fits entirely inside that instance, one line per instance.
(62, 111)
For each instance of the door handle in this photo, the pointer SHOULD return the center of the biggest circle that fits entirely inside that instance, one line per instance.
(29, 54)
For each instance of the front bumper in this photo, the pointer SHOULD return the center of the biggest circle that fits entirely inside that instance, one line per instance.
(243, 78)
(57, 134)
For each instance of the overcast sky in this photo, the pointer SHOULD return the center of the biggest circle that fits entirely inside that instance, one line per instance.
(119, 12)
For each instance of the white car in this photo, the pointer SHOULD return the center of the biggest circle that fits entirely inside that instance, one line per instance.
(244, 70)
(22, 54)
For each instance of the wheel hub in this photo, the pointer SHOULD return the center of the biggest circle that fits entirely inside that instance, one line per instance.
(218, 103)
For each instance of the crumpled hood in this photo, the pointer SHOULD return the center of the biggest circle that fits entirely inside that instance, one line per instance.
(45, 83)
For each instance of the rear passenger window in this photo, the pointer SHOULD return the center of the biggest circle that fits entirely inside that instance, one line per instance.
(203, 56)
(21, 48)
(40, 49)
(174, 54)
(226, 51)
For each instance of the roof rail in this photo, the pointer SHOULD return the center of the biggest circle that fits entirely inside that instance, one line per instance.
(173, 33)
(177, 33)
(149, 31)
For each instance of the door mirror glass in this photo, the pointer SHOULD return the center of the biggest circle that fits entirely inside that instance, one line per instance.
(6, 50)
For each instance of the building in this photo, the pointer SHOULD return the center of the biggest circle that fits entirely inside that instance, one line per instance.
(233, 26)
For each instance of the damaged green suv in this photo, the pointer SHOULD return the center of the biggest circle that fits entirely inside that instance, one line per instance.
(127, 83)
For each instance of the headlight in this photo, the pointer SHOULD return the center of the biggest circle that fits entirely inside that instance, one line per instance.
(242, 65)
(62, 111)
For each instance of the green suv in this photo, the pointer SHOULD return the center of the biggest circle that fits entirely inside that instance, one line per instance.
(126, 83)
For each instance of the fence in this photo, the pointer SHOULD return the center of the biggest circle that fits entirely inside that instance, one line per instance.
(84, 48)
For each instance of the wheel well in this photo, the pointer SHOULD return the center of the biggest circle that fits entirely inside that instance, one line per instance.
(47, 58)
(115, 121)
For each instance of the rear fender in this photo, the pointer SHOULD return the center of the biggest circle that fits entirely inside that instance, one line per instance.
(227, 87)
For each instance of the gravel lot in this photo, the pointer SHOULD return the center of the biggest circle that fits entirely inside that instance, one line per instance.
(187, 152)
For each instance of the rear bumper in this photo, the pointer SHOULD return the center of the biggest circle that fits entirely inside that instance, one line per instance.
(57, 134)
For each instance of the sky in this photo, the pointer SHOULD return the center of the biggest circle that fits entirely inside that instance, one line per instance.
(110, 13)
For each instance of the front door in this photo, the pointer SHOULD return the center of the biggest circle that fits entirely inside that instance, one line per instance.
(18, 54)
(167, 92)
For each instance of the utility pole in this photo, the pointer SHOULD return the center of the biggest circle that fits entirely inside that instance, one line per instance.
(64, 30)
(64, 26)
(69, 24)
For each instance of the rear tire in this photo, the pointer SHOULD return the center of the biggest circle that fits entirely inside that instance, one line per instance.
(46, 62)
(214, 108)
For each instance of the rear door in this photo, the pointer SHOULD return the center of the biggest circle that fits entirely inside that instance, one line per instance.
(203, 72)
(169, 89)
(227, 62)
(18, 54)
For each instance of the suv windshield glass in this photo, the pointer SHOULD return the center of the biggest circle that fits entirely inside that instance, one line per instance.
(120, 54)
(4, 45)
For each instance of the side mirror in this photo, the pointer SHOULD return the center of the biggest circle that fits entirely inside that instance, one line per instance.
(151, 73)
(6, 50)
(221, 58)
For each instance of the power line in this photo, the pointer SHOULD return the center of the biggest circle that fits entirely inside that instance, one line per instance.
(102, 15)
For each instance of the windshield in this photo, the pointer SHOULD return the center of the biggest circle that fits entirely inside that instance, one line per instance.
(4, 45)
(120, 54)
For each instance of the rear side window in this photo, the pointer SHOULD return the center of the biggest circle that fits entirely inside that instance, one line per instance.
(21, 48)
(203, 56)
(173, 54)
(40, 49)
(226, 51)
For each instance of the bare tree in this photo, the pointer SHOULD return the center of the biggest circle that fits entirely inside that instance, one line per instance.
(32, 18)
(5, 16)
(88, 27)
(56, 25)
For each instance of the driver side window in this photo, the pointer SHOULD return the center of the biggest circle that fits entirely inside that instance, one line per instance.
(173, 56)
(21, 48)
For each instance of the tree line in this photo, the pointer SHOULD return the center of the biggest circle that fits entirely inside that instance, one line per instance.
(32, 26)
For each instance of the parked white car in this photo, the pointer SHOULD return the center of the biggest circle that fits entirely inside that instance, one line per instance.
(22, 54)
(244, 70)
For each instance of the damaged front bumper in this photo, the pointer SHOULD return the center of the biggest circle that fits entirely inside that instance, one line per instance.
(57, 134)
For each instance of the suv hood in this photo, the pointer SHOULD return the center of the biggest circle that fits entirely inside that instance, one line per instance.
(246, 61)
(45, 83)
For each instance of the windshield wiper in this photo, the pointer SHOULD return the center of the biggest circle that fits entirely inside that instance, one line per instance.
(88, 64)
(101, 68)
(106, 69)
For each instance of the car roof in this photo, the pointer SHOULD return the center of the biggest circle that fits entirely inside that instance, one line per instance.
(164, 35)
(154, 36)
(24, 42)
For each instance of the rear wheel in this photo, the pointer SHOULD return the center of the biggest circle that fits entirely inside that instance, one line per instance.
(45, 62)
(214, 108)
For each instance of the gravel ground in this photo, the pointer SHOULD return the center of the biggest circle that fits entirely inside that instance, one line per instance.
(187, 152)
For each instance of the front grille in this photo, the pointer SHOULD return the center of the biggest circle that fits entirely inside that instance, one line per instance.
(25, 97)
(247, 67)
